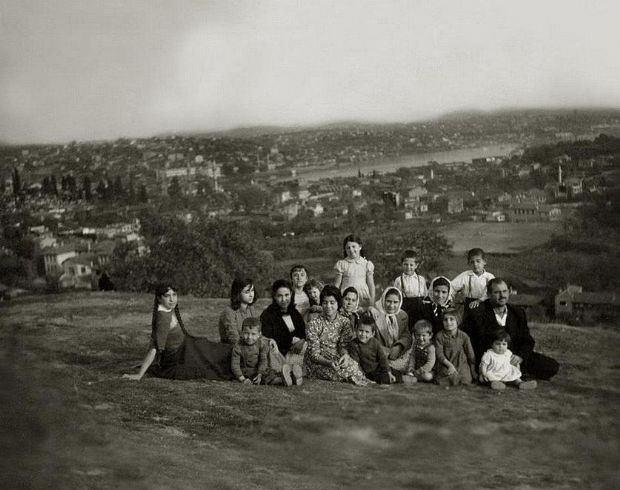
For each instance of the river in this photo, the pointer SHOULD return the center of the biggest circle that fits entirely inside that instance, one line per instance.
(415, 160)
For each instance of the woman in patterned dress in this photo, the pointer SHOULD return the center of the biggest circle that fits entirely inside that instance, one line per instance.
(328, 337)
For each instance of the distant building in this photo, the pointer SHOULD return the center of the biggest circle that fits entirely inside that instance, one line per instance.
(580, 305)
(533, 212)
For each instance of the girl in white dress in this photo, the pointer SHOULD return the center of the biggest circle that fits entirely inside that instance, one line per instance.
(497, 366)
(355, 270)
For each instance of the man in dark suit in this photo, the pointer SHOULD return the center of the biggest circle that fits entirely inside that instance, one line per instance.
(495, 314)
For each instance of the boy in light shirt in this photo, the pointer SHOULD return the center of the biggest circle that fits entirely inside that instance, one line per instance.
(472, 284)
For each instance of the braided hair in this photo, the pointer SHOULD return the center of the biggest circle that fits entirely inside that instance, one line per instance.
(160, 290)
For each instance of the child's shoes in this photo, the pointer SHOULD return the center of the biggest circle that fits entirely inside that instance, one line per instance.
(498, 386)
(297, 374)
(286, 374)
(409, 379)
(528, 385)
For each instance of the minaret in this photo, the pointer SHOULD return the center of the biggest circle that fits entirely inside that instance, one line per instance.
(559, 174)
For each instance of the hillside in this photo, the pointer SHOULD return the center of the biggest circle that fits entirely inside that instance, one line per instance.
(71, 422)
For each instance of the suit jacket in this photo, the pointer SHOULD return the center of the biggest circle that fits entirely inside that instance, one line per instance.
(481, 326)
(273, 327)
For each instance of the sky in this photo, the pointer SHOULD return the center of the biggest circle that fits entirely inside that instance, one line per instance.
(87, 70)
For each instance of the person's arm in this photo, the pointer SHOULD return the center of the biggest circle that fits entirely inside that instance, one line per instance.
(370, 281)
(229, 332)
(314, 345)
(339, 274)
(235, 363)
(484, 367)
(411, 363)
(428, 366)
(523, 344)
(404, 340)
(398, 283)
(146, 364)
(441, 358)
(423, 288)
(345, 338)
(353, 350)
(383, 358)
(469, 353)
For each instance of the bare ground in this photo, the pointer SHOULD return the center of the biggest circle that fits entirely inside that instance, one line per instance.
(69, 421)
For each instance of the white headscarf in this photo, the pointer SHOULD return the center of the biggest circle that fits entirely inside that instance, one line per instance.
(387, 323)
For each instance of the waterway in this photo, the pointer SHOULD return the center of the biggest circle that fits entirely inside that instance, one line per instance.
(415, 160)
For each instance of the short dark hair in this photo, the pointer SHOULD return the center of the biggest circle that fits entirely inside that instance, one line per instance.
(251, 322)
(350, 289)
(473, 252)
(366, 318)
(410, 254)
(333, 291)
(493, 282)
(298, 267)
(500, 336)
(352, 238)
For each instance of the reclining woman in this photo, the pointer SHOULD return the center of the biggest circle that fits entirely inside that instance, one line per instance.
(174, 353)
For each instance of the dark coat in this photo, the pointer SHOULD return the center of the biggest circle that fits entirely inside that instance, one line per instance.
(273, 326)
(481, 326)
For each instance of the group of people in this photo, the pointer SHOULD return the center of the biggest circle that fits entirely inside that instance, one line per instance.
(413, 333)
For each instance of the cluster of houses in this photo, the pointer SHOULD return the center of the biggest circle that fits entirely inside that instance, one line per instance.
(78, 258)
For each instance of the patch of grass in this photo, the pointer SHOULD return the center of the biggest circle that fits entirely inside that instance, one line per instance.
(71, 422)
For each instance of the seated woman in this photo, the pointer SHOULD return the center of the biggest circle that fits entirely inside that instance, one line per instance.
(432, 307)
(351, 306)
(328, 337)
(393, 330)
(242, 299)
(173, 352)
(284, 324)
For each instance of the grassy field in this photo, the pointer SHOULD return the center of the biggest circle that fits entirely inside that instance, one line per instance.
(69, 421)
(498, 237)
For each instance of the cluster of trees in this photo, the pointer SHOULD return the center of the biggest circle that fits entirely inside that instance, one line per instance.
(577, 150)
(200, 258)
(106, 190)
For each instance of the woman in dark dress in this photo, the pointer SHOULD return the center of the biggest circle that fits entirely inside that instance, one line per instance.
(284, 324)
(174, 353)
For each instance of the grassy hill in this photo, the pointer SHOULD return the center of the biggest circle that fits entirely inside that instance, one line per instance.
(69, 421)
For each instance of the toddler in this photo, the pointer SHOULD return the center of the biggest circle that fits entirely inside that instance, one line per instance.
(368, 352)
(411, 284)
(496, 368)
(456, 361)
(472, 284)
(422, 359)
(354, 270)
(249, 360)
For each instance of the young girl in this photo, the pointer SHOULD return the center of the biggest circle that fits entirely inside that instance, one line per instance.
(496, 369)
(433, 306)
(350, 306)
(456, 361)
(242, 299)
(354, 270)
(312, 288)
(173, 352)
(393, 330)
(422, 360)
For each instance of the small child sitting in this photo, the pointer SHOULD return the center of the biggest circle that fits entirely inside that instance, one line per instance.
(422, 359)
(366, 350)
(249, 362)
(496, 368)
(456, 361)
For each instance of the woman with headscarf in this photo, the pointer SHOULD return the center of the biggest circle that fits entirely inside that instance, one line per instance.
(393, 330)
(432, 307)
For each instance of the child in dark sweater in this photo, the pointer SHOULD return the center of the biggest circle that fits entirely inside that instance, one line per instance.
(249, 361)
(366, 350)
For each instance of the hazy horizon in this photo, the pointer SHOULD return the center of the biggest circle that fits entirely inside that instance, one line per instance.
(87, 71)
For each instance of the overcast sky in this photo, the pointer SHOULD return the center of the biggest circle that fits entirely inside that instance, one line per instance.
(82, 70)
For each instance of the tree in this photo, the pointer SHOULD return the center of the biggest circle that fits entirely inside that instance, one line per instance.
(142, 194)
(117, 188)
(86, 188)
(17, 182)
(201, 258)
(174, 189)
